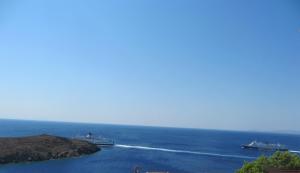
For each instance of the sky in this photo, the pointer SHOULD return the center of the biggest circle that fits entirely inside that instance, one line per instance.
(217, 64)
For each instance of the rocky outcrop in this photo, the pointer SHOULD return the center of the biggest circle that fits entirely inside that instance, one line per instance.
(42, 147)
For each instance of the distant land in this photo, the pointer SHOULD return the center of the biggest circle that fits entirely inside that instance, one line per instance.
(295, 132)
(42, 147)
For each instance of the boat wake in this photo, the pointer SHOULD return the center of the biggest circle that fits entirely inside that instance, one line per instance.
(183, 151)
(294, 151)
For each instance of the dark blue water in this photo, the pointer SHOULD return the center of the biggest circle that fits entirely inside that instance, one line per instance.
(165, 149)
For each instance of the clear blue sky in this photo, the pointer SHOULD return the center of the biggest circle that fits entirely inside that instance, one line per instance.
(221, 64)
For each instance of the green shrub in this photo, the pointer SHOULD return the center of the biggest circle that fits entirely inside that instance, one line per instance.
(279, 160)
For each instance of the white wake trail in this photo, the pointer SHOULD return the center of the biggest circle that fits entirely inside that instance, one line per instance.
(294, 151)
(184, 151)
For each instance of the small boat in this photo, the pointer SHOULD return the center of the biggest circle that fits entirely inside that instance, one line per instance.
(264, 146)
(96, 140)
(139, 169)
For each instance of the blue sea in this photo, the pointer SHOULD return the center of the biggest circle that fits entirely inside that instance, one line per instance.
(174, 150)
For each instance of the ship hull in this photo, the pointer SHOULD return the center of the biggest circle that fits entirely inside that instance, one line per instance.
(263, 148)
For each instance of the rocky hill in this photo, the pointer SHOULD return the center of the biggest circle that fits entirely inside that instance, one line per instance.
(42, 147)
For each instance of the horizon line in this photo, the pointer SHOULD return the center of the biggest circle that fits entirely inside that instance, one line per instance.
(288, 132)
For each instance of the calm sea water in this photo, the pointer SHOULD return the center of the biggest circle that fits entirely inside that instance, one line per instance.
(165, 149)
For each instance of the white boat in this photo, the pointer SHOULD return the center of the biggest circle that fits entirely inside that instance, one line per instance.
(96, 140)
(264, 146)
